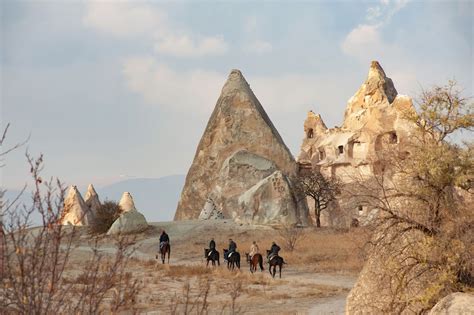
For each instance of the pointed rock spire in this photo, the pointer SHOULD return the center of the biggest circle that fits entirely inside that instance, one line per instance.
(238, 122)
(75, 212)
(92, 199)
(314, 124)
(378, 90)
(126, 202)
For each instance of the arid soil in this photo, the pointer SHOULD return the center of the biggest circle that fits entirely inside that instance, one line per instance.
(316, 279)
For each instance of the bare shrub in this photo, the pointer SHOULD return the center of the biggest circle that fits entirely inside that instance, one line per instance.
(423, 192)
(189, 301)
(105, 216)
(36, 260)
(291, 235)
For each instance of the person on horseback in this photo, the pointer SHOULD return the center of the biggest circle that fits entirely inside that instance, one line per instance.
(232, 247)
(253, 249)
(164, 239)
(212, 246)
(274, 250)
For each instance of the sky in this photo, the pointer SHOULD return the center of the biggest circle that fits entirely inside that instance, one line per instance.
(114, 90)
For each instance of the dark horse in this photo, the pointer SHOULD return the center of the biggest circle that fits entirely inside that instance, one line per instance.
(232, 261)
(256, 260)
(275, 261)
(166, 248)
(212, 256)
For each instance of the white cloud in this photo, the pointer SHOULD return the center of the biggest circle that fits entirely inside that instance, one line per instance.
(159, 84)
(198, 90)
(124, 19)
(131, 19)
(365, 41)
(258, 47)
(184, 46)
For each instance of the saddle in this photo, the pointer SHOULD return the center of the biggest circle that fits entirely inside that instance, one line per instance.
(271, 256)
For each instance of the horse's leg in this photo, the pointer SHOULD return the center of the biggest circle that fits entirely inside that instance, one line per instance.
(280, 270)
(169, 253)
(274, 271)
(260, 261)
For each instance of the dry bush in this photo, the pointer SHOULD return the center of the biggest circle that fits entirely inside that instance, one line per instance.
(35, 260)
(423, 192)
(291, 235)
(192, 301)
(105, 216)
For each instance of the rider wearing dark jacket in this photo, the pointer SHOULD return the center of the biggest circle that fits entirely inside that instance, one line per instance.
(274, 249)
(212, 245)
(164, 238)
(232, 246)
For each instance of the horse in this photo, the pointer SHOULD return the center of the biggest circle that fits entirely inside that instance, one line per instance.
(256, 260)
(233, 260)
(166, 248)
(275, 261)
(212, 256)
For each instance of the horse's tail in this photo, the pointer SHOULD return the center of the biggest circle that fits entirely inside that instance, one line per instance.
(260, 261)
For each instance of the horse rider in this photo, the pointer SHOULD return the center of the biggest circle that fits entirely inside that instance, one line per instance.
(274, 250)
(253, 249)
(212, 246)
(232, 247)
(164, 239)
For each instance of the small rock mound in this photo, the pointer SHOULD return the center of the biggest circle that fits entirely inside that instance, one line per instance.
(130, 221)
(92, 200)
(455, 303)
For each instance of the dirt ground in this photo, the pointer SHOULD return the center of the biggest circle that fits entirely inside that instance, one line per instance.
(316, 279)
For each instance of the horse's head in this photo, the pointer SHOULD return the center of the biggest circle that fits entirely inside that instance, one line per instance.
(247, 256)
(206, 252)
(225, 251)
(268, 251)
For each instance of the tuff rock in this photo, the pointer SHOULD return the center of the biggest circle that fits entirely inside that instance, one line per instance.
(130, 221)
(239, 147)
(75, 212)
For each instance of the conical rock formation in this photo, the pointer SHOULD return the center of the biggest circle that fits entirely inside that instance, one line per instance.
(75, 212)
(126, 202)
(130, 221)
(237, 123)
(92, 200)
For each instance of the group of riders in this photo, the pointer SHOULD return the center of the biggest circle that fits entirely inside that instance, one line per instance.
(254, 249)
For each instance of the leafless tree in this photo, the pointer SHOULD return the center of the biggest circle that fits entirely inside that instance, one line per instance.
(321, 189)
(291, 235)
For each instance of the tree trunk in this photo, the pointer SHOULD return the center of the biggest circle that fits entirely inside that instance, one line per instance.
(317, 213)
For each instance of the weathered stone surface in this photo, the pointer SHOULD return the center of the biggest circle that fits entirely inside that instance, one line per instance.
(210, 211)
(374, 120)
(455, 303)
(92, 200)
(126, 202)
(270, 201)
(75, 212)
(238, 123)
(130, 221)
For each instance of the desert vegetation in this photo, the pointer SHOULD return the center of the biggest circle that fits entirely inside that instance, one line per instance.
(423, 240)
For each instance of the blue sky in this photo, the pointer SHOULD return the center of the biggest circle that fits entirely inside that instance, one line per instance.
(111, 90)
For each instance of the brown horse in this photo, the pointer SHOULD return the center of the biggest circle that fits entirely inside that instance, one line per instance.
(166, 248)
(256, 260)
(273, 262)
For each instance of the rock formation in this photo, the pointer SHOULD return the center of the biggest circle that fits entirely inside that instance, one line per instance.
(240, 147)
(210, 211)
(92, 200)
(455, 303)
(130, 221)
(373, 120)
(75, 212)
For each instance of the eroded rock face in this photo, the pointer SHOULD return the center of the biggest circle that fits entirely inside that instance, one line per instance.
(75, 212)
(92, 200)
(239, 148)
(210, 211)
(374, 120)
(130, 221)
(455, 303)
(270, 201)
